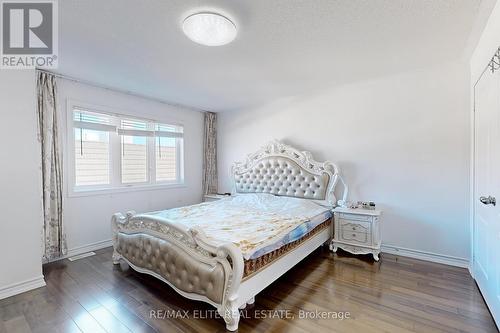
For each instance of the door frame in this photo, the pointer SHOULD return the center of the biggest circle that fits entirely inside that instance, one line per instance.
(472, 175)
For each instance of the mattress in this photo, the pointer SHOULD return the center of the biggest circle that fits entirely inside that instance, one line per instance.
(297, 233)
(256, 264)
(257, 223)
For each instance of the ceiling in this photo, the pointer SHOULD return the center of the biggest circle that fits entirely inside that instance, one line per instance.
(283, 48)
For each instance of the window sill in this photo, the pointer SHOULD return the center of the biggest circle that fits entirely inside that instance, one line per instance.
(125, 189)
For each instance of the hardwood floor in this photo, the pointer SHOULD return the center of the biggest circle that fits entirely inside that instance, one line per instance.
(396, 295)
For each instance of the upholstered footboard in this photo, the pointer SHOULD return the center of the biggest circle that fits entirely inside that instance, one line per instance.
(183, 259)
(174, 265)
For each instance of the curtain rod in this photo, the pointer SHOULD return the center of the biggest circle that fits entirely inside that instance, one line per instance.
(126, 92)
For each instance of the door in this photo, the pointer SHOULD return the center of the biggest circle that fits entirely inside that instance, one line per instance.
(486, 233)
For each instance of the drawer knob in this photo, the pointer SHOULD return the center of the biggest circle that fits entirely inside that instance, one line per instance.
(353, 235)
(353, 228)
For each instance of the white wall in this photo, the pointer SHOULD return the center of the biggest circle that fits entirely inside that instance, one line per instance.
(20, 183)
(87, 218)
(401, 141)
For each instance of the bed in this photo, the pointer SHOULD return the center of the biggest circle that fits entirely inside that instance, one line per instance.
(226, 252)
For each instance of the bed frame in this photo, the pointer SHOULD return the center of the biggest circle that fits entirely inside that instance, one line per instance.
(185, 260)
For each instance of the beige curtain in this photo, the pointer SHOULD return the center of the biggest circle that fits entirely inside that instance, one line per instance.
(53, 233)
(210, 153)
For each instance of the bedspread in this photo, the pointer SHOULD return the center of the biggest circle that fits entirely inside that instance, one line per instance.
(250, 221)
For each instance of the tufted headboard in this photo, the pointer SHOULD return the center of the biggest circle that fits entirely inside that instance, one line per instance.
(282, 170)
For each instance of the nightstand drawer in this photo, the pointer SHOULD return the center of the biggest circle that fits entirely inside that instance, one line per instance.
(355, 217)
(210, 199)
(357, 227)
(214, 197)
(358, 237)
(353, 225)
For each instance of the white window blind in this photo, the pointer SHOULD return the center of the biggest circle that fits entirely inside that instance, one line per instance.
(92, 121)
(134, 142)
(168, 141)
(92, 149)
(113, 151)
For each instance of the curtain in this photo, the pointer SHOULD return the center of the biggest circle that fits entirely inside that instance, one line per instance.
(210, 153)
(53, 233)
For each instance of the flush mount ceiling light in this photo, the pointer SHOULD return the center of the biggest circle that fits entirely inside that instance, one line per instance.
(209, 29)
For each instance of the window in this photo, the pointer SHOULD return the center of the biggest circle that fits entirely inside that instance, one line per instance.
(113, 151)
(166, 152)
(91, 149)
(134, 152)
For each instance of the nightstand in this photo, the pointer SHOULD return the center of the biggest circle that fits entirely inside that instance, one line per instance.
(357, 231)
(213, 197)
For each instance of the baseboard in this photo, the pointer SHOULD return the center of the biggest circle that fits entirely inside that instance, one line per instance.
(397, 250)
(21, 287)
(471, 270)
(428, 256)
(86, 248)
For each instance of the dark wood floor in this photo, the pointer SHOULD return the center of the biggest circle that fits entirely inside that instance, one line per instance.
(396, 295)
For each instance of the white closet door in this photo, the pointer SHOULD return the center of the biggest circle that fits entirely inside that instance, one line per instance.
(486, 261)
